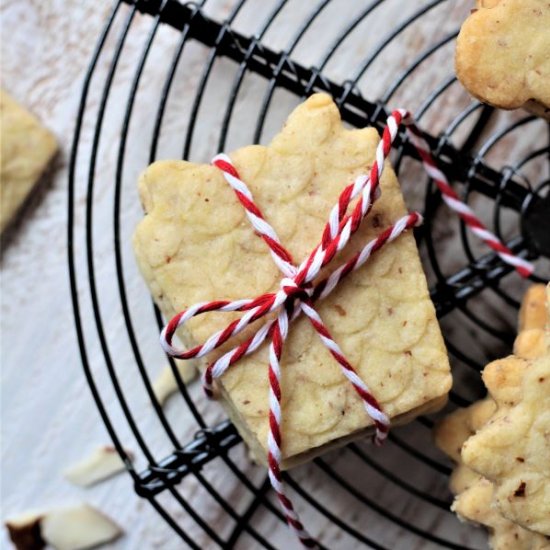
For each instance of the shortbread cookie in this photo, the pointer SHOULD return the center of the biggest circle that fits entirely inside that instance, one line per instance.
(474, 493)
(26, 149)
(531, 342)
(513, 448)
(195, 244)
(533, 338)
(502, 54)
(474, 501)
(533, 312)
(450, 434)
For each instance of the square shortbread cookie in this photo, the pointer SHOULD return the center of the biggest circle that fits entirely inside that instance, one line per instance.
(26, 149)
(195, 244)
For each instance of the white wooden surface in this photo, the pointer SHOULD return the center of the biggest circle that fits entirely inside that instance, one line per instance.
(48, 417)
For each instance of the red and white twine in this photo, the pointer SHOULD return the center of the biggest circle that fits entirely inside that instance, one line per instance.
(298, 292)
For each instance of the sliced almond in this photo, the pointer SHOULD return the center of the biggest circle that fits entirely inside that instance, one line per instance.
(78, 527)
(165, 384)
(103, 463)
(72, 528)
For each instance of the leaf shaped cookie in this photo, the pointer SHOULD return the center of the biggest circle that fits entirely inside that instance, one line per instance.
(474, 493)
(513, 448)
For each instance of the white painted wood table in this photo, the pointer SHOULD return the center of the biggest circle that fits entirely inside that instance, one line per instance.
(49, 419)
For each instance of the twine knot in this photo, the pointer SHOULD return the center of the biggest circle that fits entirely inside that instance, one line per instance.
(295, 291)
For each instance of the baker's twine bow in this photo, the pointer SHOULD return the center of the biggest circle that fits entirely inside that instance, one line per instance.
(298, 292)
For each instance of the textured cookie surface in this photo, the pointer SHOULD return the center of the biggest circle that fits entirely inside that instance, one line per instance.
(26, 149)
(502, 54)
(474, 503)
(534, 323)
(195, 244)
(475, 494)
(513, 448)
(450, 434)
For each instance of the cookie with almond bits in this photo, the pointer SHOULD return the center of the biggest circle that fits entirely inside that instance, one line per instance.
(475, 493)
(513, 448)
(195, 244)
(502, 54)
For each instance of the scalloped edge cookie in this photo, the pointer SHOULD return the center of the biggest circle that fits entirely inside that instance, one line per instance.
(475, 495)
(195, 244)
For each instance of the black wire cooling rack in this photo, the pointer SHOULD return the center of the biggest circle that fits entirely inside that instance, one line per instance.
(231, 60)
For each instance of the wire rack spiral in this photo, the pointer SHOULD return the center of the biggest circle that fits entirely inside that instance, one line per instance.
(189, 91)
